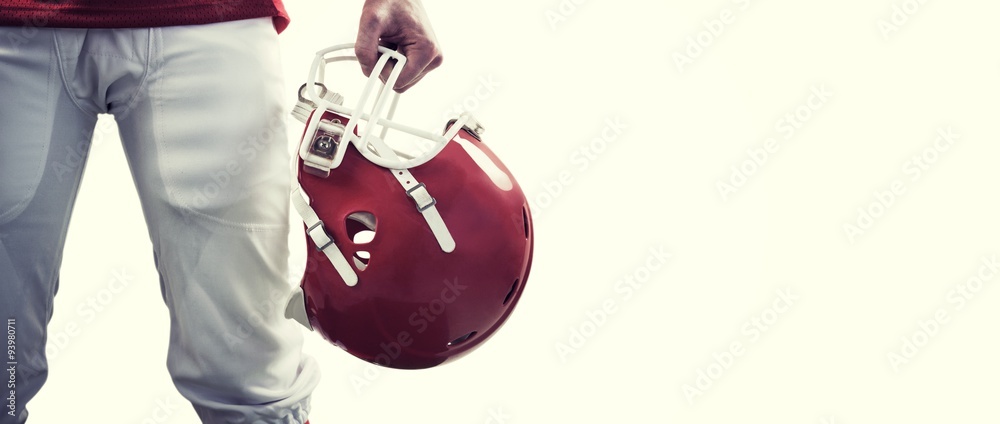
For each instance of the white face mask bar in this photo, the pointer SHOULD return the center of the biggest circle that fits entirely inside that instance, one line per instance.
(378, 116)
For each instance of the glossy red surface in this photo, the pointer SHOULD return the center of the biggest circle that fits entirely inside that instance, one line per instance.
(416, 306)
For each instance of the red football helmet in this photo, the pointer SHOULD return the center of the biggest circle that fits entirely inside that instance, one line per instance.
(416, 260)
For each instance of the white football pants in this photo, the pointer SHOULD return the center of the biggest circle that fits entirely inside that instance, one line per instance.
(199, 110)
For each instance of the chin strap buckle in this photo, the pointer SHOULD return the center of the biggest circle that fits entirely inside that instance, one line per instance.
(421, 197)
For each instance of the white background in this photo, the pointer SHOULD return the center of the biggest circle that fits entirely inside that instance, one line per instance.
(824, 359)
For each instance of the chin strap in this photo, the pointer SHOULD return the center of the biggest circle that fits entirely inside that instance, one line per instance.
(317, 232)
(425, 203)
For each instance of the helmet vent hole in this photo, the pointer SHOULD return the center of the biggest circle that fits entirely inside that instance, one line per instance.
(524, 219)
(361, 228)
(461, 339)
(513, 289)
(361, 259)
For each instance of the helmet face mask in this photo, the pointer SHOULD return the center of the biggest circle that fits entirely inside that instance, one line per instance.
(412, 261)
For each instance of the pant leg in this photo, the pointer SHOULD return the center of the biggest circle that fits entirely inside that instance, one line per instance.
(207, 148)
(44, 141)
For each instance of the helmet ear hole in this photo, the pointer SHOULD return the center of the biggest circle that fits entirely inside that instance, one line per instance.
(361, 227)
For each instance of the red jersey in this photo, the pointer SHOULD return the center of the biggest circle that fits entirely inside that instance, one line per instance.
(136, 13)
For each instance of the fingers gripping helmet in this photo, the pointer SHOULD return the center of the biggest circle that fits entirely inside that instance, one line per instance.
(414, 260)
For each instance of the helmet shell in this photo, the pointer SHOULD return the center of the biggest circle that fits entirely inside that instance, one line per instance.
(416, 306)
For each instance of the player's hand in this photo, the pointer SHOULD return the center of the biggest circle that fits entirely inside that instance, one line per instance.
(402, 25)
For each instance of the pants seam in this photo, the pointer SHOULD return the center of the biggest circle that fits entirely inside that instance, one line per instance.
(62, 72)
(40, 174)
(181, 205)
(141, 88)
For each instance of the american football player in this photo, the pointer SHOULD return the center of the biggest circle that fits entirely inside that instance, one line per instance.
(196, 89)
